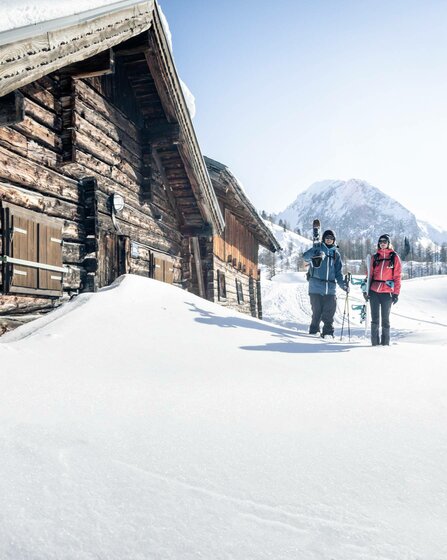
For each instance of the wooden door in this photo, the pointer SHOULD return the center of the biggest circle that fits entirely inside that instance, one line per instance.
(114, 257)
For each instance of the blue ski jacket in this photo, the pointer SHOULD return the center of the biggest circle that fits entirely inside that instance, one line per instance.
(322, 279)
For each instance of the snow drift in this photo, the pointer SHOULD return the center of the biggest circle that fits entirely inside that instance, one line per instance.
(144, 422)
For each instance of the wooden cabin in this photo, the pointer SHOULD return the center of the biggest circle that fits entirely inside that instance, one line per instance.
(230, 262)
(100, 170)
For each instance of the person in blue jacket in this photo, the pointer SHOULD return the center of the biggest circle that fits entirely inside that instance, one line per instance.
(325, 270)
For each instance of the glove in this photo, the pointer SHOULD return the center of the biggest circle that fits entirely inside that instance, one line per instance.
(366, 296)
(345, 287)
(395, 298)
(317, 259)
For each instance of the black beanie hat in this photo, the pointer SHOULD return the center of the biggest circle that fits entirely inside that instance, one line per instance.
(329, 232)
(384, 236)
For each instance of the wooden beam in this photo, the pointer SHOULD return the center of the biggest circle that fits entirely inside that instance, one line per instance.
(162, 134)
(12, 108)
(99, 65)
(131, 50)
(167, 186)
(202, 231)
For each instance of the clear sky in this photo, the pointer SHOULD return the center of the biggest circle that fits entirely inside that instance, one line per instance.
(291, 92)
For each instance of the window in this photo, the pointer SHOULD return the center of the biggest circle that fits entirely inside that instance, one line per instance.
(221, 288)
(32, 252)
(239, 292)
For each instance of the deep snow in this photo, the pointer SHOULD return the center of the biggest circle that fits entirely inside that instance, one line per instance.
(144, 422)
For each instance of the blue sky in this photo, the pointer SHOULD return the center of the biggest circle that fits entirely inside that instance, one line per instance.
(292, 92)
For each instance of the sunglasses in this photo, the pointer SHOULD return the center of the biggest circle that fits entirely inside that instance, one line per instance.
(383, 240)
(331, 237)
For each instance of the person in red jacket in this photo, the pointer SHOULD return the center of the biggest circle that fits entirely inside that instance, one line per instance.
(384, 288)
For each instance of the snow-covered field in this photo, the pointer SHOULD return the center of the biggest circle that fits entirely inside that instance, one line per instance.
(142, 422)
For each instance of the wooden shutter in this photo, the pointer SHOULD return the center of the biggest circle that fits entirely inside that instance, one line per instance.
(50, 252)
(163, 268)
(23, 245)
(35, 239)
(159, 268)
(169, 271)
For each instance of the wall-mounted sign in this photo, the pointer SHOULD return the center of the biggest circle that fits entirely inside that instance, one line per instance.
(134, 250)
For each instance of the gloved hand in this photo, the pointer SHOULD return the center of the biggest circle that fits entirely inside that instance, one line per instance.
(366, 296)
(317, 259)
(395, 298)
(345, 287)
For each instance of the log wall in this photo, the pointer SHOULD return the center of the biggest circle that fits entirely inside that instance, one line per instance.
(235, 254)
(250, 303)
(71, 131)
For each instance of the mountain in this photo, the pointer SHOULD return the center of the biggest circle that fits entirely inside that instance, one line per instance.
(354, 209)
(435, 233)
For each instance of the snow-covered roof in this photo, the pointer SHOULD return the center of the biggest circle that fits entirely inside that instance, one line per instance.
(27, 18)
(30, 52)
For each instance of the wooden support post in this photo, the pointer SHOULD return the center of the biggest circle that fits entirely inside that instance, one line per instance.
(198, 263)
(12, 108)
(258, 294)
(89, 193)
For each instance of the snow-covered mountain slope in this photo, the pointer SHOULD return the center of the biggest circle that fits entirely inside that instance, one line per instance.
(144, 422)
(354, 209)
(433, 232)
(292, 244)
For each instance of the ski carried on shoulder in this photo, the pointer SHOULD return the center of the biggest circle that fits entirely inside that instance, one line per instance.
(368, 276)
(366, 294)
(316, 232)
(316, 228)
(364, 286)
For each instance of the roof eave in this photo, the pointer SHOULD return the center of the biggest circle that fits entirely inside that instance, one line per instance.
(37, 50)
(201, 182)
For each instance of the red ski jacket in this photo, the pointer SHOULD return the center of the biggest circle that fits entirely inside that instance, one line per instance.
(383, 269)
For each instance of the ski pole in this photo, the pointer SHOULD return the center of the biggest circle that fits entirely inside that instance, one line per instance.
(343, 320)
(349, 318)
(347, 281)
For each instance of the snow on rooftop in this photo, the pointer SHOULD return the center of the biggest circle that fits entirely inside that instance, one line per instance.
(28, 12)
(22, 13)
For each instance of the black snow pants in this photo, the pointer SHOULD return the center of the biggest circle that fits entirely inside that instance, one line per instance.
(323, 309)
(380, 308)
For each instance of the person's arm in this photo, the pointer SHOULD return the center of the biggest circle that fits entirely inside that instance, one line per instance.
(314, 251)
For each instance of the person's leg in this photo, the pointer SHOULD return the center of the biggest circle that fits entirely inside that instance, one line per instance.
(316, 304)
(329, 307)
(385, 306)
(375, 317)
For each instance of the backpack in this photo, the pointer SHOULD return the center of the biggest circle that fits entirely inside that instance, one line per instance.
(377, 260)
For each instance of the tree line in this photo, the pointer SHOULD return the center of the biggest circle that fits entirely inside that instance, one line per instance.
(418, 259)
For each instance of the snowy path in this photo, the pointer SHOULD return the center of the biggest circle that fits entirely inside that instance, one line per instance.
(233, 438)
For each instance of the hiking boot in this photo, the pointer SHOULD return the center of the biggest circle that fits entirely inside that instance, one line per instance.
(385, 340)
(375, 339)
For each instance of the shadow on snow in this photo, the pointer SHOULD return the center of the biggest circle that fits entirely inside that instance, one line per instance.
(288, 342)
